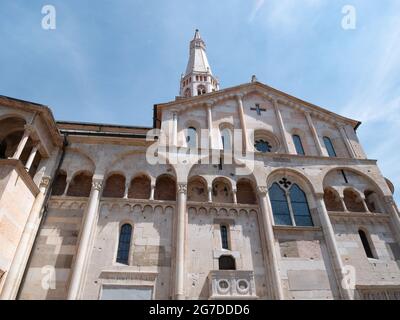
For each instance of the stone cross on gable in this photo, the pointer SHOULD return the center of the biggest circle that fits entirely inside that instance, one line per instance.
(258, 109)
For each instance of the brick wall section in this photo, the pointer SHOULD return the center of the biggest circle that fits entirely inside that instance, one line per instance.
(80, 186)
(115, 186)
(165, 189)
(139, 188)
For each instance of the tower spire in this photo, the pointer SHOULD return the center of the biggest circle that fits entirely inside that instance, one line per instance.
(198, 78)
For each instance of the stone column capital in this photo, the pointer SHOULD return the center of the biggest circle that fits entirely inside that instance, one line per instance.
(182, 188)
(45, 182)
(36, 147)
(97, 184)
(239, 97)
(262, 190)
(29, 129)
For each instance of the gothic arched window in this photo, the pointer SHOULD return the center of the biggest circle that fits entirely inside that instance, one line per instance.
(301, 211)
(298, 144)
(329, 147)
(124, 243)
(280, 207)
(289, 205)
(263, 146)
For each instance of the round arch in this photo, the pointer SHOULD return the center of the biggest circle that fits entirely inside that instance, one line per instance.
(222, 190)
(197, 189)
(246, 191)
(140, 186)
(368, 179)
(293, 176)
(296, 175)
(268, 136)
(81, 184)
(165, 188)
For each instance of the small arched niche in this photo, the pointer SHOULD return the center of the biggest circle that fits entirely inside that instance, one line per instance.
(140, 187)
(80, 185)
(197, 189)
(332, 200)
(60, 183)
(226, 262)
(114, 186)
(245, 192)
(165, 188)
(353, 201)
(221, 191)
(373, 201)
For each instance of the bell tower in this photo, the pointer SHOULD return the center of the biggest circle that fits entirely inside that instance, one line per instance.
(198, 78)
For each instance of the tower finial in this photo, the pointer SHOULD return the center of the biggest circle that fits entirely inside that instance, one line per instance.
(198, 78)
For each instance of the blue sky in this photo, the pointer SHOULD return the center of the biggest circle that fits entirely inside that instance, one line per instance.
(107, 56)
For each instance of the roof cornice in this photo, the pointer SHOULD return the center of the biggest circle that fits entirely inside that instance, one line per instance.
(42, 110)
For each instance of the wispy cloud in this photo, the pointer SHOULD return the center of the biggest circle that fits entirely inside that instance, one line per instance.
(376, 101)
(283, 13)
(258, 4)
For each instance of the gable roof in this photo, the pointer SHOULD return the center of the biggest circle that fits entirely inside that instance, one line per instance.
(246, 88)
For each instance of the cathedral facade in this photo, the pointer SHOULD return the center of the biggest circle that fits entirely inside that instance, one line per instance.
(237, 193)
